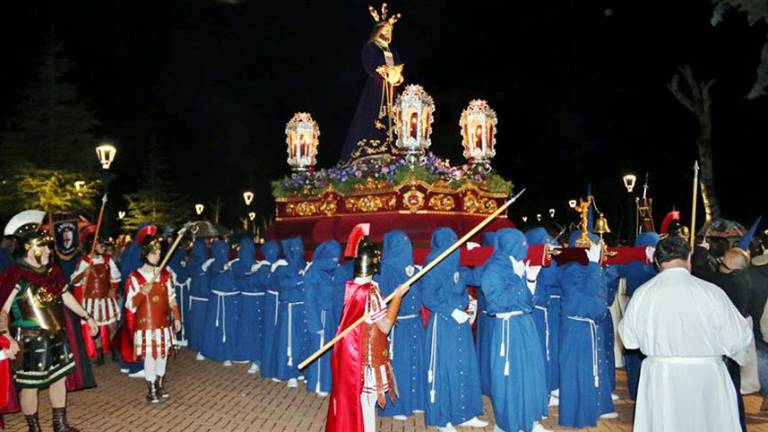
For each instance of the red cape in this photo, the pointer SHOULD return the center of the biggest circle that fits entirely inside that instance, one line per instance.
(344, 410)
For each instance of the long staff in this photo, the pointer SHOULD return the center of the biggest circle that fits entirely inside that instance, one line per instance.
(692, 234)
(98, 224)
(407, 284)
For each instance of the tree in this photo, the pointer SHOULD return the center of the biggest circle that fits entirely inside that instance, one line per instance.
(757, 10)
(697, 99)
(154, 202)
(48, 144)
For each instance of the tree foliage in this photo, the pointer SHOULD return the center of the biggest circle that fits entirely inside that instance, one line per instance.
(155, 201)
(757, 11)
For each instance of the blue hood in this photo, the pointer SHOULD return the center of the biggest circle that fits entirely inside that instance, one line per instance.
(397, 251)
(326, 256)
(442, 239)
(512, 243)
(293, 250)
(647, 239)
(271, 251)
(490, 239)
(247, 252)
(539, 236)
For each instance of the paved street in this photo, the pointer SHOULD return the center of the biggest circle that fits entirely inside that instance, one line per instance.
(207, 396)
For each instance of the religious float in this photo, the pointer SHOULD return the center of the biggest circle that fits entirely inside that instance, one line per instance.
(387, 174)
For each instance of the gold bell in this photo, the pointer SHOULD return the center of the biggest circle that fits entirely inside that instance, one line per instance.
(601, 225)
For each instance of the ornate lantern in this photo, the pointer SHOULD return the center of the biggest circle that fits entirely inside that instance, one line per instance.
(414, 110)
(478, 130)
(302, 136)
(629, 182)
(199, 208)
(106, 154)
(248, 197)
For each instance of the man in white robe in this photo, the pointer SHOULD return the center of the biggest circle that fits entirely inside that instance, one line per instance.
(685, 326)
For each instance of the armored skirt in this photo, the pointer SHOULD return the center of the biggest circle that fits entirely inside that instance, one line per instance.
(45, 358)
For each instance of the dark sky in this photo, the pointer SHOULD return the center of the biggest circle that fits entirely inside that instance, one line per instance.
(579, 88)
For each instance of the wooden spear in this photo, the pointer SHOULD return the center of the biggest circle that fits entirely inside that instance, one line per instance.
(692, 234)
(407, 284)
(98, 224)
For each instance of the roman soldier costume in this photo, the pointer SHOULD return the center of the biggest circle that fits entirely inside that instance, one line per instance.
(152, 300)
(37, 317)
(96, 280)
(362, 372)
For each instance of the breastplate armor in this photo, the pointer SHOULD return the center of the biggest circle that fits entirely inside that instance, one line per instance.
(375, 346)
(152, 313)
(97, 282)
(41, 306)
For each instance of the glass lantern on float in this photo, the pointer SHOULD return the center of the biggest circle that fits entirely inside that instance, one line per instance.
(414, 110)
(302, 136)
(478, 132)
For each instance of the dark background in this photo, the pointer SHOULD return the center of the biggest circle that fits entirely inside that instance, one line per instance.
(579, 89)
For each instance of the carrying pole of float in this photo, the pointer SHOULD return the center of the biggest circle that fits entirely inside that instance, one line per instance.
(407, 284)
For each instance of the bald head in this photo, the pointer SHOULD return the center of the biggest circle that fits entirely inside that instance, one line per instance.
(735, 259)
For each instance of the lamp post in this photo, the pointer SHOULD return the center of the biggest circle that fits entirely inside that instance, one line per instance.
(248, 197)
(552, 213)
(199, 208)
(629, 181)
(105, 152)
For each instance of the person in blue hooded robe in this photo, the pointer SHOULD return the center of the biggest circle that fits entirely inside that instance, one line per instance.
(293, 335)
(250, 321)
(267, 283)
(545, 314)
(406, 339)
(318, 286)
(220, 338)
(485, 326)
(583, 304)
(199, 290)
(6, 256)
(453, 377)
(181, 281)
(519, 392)
(638, 273)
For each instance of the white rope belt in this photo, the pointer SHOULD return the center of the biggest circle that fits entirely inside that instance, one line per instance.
(556, 296)
(181, 288)
(277, 303)
(546, 327)
(322, 342)
(392, 334)
(193, 298)
(223, 306)
(432, 359)
(505, 335)
(593, 335)
(290, 331)
(252, 294)
(685, 360)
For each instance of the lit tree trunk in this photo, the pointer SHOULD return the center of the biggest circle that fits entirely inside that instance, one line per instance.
(696, 98)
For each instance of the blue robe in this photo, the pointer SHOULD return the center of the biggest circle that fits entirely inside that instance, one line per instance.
(485, 328)
(406, 339)
(609, 278)
(250, 324)
(221, 325)
(293, 335)
(6, 260)
(546, 313)
(453, 377)
(519, 392)
(267, 281)
(584, 303)
(199, 290)
(637, 273)
(318, 286)
(178, 263)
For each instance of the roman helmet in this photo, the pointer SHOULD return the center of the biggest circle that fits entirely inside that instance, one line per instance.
(25, 228)
(364, 250)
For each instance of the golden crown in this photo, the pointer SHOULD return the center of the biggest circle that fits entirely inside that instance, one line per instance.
(380, 18)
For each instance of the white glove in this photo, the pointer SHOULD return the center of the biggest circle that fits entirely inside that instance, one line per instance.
(650, 251)
(460, 316)
(593, 253)
(472, 245)
(518, 267)
(531, 272)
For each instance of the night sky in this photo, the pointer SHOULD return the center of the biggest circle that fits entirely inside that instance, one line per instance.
(579, 88)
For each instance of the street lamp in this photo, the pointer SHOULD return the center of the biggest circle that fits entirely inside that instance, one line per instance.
(629, 182)
(252, 216)
(106, 154)
(199, 208)
(572, 203)
(248, 197)
(525, 219)
(121, 215)
(552, 213)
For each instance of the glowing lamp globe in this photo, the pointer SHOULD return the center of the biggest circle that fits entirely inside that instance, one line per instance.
(478, 132)
(302, 136)
(414, 111)
(106, 154)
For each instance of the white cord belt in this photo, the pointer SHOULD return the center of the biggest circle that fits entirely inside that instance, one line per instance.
(546, 327)
(277, 303)
(290, 330)
(252, 294)
(505, 336)
(223, 307)
(593, 335)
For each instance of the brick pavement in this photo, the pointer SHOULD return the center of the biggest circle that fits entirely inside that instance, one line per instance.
(206, 396)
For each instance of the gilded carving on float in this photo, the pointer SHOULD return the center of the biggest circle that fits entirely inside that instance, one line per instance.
(303, 208)
(442, 202)
(371, 203)
(475, 204)
(329, 206)
(371, 185)
(413, 200)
